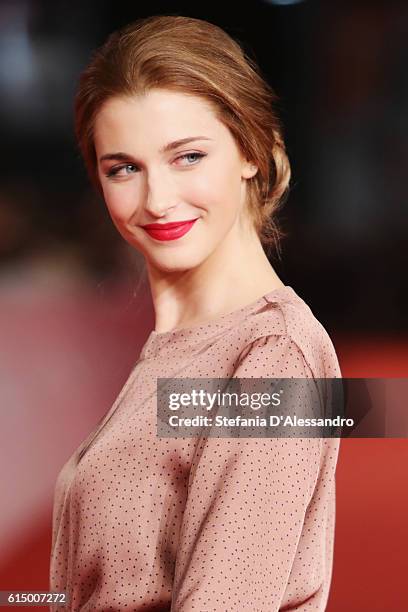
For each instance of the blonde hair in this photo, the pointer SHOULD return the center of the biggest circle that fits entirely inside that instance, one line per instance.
(193, 56)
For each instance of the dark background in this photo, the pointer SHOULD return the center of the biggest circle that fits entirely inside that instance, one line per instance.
(340, 70)
(73, 317)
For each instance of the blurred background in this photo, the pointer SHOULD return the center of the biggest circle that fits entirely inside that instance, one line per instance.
(75, 305)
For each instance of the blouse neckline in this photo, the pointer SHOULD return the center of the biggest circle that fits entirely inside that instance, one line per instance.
(157, 340)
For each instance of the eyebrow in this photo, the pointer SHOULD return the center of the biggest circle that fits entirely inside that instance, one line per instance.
(170, 146)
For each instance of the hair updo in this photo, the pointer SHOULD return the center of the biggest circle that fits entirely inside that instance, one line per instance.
(193, 56)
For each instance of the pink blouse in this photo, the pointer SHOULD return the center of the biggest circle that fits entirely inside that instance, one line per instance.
(202, 524)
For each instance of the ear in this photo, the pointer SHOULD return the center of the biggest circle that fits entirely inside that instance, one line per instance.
(249, 170)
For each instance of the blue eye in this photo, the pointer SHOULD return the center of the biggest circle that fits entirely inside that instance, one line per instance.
(114, 171)
(132, 169)
(199, 155)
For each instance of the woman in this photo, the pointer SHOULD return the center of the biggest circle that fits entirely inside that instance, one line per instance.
(178, 132)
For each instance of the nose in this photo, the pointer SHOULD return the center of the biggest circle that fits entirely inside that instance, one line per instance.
(160, 197)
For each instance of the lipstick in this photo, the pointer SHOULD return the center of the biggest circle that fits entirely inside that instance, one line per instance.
(168, 231)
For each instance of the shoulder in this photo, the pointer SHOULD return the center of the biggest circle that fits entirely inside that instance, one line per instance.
(285, 328)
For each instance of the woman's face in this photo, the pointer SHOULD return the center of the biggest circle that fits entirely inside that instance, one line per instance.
(143, 182)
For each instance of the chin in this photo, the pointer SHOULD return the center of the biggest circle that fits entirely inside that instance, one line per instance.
(180, 260)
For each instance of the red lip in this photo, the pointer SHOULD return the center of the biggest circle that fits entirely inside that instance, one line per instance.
(166, 225)
(168, 231)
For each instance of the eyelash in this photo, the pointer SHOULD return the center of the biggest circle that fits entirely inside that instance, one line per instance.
(114, 171)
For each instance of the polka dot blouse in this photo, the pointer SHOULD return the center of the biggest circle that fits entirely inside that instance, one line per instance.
(202, 524)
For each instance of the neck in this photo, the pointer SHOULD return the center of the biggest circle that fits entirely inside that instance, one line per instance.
(235, 274)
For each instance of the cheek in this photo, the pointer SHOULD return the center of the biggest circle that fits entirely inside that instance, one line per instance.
(218, 189)
(121, 201)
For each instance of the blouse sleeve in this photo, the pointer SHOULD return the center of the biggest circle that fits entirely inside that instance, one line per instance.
(246, 504)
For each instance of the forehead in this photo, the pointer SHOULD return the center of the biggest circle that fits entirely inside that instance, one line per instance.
(161, 112)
